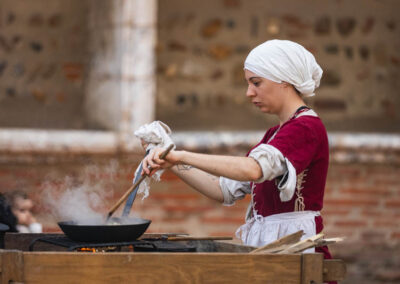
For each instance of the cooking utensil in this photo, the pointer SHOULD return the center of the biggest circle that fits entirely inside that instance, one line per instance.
(136, 184)
(126, 229)
(132, 196)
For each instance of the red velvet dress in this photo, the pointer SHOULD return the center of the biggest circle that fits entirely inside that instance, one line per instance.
(304, 142)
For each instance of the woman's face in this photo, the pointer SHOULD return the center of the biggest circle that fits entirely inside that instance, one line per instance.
(263, 93)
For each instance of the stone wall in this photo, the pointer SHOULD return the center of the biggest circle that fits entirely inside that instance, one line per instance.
(43, 62)
(77, 64)
(202, 46)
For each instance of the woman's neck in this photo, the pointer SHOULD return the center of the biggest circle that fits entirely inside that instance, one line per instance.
(290, 109)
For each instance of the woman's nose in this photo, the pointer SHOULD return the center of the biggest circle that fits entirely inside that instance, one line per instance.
(250, 92)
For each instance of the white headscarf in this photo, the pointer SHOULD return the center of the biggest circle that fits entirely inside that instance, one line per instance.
(285, 61)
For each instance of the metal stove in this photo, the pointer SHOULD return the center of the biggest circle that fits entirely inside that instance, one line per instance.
(142, 245)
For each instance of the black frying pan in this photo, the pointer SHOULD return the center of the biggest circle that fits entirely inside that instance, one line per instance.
(116, 230)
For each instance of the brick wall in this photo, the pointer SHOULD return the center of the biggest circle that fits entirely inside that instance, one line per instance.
(362, 201)
(361, 204)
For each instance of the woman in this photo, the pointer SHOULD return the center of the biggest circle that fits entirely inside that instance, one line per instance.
(286, 172)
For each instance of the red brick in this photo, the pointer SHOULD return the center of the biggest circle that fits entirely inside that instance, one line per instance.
(373, 213)
(222, 220)
(349, 171)
(351, 202)
(183, 208)
(339, 233)
(5, 173)
(373, 236)
(367, 192)
(386, 223)
(395, 236)
(349, 223)
(238, 207)
(332, 212)
(385, 181)
(393, 203)
(174, 219)
(163, 196)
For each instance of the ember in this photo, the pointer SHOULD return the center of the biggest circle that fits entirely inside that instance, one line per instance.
(99, 249)
(87, 250)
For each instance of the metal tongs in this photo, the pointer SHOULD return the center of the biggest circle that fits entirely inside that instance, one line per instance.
(133, 189)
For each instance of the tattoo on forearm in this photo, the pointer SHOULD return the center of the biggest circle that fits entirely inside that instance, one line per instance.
(184, 167)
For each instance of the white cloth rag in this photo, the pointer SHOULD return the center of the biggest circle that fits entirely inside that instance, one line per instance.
(285, 61)
(155, 134)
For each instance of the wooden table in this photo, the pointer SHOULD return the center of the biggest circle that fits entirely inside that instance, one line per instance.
(236, 266)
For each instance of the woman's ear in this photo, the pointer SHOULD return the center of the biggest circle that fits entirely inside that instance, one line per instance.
(288, 86)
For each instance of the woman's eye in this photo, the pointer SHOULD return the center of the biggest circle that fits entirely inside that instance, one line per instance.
(256, 84)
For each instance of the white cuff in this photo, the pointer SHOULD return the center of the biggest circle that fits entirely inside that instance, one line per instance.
(273, 164)
(233, 190)
(271, 161)
(287, 185)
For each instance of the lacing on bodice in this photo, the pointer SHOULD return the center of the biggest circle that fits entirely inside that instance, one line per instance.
(299, 202)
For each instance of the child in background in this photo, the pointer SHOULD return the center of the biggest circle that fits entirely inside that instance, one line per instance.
(21, 207)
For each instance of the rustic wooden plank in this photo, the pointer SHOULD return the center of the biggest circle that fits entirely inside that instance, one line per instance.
(12, 264)
(47, 267)
(334, 270)
(228, 247)
(312, 268)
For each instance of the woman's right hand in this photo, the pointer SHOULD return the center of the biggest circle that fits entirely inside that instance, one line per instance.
(154, 161)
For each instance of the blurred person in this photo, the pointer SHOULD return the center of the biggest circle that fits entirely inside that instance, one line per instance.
(286, 172)
(21, 207)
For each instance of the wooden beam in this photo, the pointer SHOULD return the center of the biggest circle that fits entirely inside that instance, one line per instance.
(334, 270)
(312, 268)
(12, 266)
(48, 267)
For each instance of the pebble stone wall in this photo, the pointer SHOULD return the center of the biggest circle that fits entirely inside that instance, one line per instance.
(43, 61)
(202, 47)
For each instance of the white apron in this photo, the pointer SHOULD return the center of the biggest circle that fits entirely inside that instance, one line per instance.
(259, 231)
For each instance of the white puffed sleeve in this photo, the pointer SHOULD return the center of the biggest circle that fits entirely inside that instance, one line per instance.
(233, 190)
(273, 164)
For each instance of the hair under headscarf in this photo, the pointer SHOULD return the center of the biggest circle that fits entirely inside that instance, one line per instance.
(285, 61)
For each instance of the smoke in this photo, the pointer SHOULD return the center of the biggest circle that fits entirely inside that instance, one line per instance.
(82, 199)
